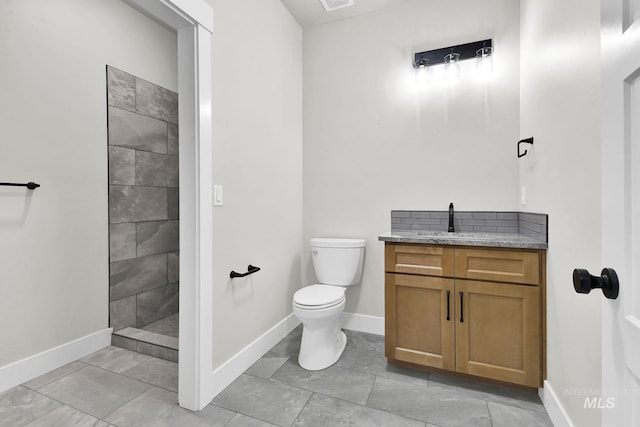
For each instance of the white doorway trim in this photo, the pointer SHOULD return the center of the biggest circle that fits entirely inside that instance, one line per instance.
(193, 21)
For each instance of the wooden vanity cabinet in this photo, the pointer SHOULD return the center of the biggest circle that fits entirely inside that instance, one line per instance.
(474, 311)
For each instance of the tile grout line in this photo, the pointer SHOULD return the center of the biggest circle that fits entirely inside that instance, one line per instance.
(141, 339)
(47, 413)
(126, 403)
(510, 401)
(145, 186)
(113, 372)
(366, 405)
(61, 403)
(312, 391)
(489, 412)
(54, 380)
(238, 412)
(148, 383)
(366, 402)
(277, 370)
(131, 147)
(302, 409)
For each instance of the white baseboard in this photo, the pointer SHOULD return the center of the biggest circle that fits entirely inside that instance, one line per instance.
(234, 367)
(27, 369)
(554, 408)
(363, 323)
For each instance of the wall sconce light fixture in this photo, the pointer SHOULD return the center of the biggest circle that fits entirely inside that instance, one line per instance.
(452, 66)
(481, 50)
(422, 74)
(484, 61)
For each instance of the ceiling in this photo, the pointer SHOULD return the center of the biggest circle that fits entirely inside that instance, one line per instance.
(311, 12)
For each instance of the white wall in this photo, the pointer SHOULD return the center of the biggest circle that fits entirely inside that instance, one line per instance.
(374, 142)
(53, 128)
(257, 139)
(560, 107)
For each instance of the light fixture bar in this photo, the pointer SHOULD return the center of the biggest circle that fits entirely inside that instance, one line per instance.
(466, 51)
(331, 5)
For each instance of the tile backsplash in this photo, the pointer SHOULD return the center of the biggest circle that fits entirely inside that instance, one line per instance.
(530, 224)
(534, 225)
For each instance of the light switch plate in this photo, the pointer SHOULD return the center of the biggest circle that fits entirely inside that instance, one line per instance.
(523, 195)
(217, 195)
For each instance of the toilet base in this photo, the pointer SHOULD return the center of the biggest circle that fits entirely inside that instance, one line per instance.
(314, 358)
(323, 341)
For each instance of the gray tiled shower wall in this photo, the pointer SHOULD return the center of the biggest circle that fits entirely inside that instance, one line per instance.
(143, 200)
(530, 224)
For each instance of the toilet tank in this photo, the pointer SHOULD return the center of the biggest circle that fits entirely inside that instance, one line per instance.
(337, 261)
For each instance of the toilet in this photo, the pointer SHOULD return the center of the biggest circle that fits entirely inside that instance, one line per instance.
(338, 264)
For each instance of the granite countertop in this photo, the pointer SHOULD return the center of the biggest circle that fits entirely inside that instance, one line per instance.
(494, 240)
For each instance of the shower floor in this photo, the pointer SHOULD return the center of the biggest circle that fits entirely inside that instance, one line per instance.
(167, 326)
(158, 339)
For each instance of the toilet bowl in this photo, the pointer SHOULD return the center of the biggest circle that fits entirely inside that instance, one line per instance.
(338, 264)
(322, 340)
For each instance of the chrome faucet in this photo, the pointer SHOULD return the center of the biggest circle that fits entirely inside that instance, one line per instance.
(451, 227)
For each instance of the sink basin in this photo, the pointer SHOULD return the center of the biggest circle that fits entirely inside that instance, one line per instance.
(460, 235)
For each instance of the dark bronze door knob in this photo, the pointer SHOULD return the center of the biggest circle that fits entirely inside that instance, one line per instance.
(583, 282)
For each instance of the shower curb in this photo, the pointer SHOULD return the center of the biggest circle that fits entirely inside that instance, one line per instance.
(145, 342)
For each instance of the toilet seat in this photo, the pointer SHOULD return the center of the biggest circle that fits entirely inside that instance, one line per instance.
(317, 297)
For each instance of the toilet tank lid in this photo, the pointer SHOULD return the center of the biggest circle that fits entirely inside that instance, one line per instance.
(324, 242)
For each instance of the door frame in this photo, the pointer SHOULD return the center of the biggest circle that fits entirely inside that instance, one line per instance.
(193, 22)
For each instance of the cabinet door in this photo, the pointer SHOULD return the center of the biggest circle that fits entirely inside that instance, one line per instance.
(419, 259)
(417, 328)
(498, 331)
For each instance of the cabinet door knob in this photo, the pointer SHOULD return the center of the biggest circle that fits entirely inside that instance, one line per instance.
(461, 307)
(608, 281)
(448, 305)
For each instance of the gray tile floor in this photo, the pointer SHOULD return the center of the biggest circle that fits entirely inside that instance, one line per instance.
(117, 387)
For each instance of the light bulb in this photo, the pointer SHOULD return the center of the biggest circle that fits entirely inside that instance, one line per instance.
(484, 62)
(422, 73)
(452, 67)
